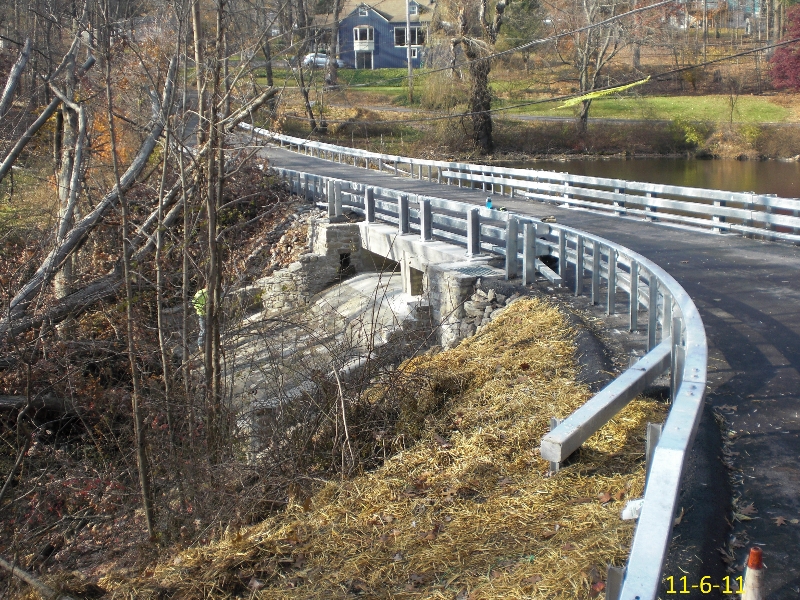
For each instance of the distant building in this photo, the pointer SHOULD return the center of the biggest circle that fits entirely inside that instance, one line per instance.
(373, 36)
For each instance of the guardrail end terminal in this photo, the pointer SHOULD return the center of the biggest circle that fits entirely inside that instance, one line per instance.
(555, 467)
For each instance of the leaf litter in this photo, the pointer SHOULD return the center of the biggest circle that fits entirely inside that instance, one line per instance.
(468, 511)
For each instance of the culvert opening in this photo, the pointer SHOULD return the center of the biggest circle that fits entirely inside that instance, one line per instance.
(345, 267)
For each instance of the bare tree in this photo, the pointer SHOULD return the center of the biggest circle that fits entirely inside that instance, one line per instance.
(477, 26)
(591, 49)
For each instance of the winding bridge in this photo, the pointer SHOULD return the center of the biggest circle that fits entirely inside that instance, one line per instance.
(677, 254)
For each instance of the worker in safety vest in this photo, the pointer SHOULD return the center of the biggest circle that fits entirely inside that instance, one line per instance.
(199, 301)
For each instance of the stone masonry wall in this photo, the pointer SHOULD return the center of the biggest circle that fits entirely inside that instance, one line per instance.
(334, 251)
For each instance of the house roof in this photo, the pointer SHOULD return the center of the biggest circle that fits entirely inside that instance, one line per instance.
(393, 11)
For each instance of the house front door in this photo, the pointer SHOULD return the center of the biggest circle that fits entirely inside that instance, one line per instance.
(363, 60)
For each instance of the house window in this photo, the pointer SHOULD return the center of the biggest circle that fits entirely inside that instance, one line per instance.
(363, 11)
(363, 34)
(413, 9)
(417, 36)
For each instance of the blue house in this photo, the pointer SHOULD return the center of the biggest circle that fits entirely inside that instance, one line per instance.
(373, 36)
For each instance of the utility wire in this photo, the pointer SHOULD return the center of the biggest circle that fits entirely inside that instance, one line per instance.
(657, 77)
(521, 47)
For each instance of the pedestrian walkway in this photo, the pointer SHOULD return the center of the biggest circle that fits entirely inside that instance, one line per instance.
(748, 293)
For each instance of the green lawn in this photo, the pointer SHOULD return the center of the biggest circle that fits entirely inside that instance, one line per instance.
(748, 109)
(377, 80)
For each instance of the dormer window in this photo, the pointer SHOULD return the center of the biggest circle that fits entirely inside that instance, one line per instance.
(413, 9)
(363, 11)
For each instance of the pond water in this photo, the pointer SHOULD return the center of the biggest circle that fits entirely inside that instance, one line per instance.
(762, 177)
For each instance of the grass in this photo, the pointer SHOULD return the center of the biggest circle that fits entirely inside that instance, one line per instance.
(466, 510)
(715, 108)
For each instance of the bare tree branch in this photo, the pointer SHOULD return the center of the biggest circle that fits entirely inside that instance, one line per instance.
(33, 581)
(14, 77)
(77, 235)
(12, 156)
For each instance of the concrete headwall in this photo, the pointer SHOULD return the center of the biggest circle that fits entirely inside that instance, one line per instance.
(334, 252)
(438, 273)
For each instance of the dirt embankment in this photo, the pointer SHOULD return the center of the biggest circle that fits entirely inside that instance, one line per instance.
(467, 507)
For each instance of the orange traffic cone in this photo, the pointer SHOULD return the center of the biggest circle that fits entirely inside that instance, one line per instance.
(753, 577)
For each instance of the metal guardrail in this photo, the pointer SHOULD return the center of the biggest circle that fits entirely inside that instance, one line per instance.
(749, 214)
(675, 334)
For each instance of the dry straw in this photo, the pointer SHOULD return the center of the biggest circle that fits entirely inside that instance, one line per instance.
(468, 511)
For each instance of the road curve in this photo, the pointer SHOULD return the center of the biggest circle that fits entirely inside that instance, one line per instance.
(748, 293)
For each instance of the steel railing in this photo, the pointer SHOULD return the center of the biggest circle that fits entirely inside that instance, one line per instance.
(749, 214)
(676, 338)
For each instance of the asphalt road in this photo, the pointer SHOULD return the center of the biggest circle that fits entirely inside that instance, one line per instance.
(748, 293)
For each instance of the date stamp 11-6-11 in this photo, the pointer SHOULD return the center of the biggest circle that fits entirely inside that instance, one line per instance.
(682, 585)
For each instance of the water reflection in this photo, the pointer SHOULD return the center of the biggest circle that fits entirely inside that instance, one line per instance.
(763, 177)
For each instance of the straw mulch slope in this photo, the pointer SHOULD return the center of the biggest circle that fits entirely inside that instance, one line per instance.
(466, 512)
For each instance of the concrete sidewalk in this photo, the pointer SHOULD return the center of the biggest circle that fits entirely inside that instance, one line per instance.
(748, 293)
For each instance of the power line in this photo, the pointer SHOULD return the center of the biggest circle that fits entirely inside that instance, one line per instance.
(521, 47)
(656, 77)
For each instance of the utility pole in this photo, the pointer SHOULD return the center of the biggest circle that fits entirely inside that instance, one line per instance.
(408, 53)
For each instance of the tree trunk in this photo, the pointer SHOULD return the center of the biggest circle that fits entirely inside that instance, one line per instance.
(13, 78)
(78, 234)
(583, 116)
(138, 424)
(480, 100)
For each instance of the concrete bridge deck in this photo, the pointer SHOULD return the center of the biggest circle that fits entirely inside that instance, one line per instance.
(748, 293)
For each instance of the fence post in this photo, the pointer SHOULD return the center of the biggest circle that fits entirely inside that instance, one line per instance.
(595, 271)
(473, 232)
(528, 254)
(652, 313)
(718, 218)
(402, 208)
(331, 198)
(337, 196)
(648, 208)
(634, 296)
(512, 230)
(651, 441)
(562, 253)
(307, 187)
(676, 366)
(666, 317)
(619, 204)
(369, 200)
(612, 282)
(579, 266)
(425, 220)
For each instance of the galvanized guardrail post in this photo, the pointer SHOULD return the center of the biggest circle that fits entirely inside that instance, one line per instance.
(634, 296)
(425, 220)
(331, 198)
(369, 201)
(473, 232)
(595, 271)
(652, 313)
(562, 253)
(402, 207)
(579, 265)
(528, 254)
(677, 358)
(337, 197)
(512, 231)
(611, 301)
